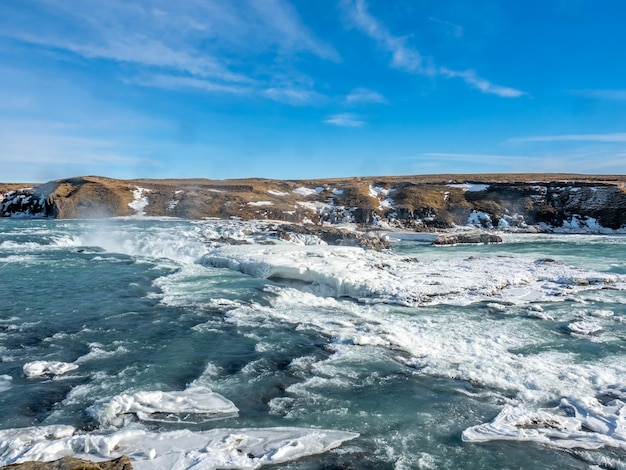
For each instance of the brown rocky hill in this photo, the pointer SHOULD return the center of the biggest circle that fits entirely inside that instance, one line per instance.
(425, 202)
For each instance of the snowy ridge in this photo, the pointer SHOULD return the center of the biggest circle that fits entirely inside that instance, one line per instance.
(580, 204)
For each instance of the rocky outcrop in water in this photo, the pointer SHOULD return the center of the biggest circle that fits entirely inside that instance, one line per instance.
(71, 463)
(474, 238)
(421, 203)
(333, 236)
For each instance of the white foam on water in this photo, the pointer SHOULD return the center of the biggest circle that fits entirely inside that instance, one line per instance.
(5, 382)
(97, 352)
(181, 450)
(473, 348)
(20, 259)
(47, 368)
(53, 242)
(195, 404)
(183, 244)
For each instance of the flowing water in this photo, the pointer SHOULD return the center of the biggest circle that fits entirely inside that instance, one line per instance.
(156, 339)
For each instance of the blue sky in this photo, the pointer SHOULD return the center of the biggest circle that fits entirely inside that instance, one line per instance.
(310, 88)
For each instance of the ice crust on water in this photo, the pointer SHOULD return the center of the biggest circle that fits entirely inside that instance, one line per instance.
(584, 423)
(184, 449)
(584, 327)
(384, 277)
(47, 368)
(195, 404)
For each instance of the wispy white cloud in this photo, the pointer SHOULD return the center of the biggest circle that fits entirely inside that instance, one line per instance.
(174, 82)
(402, 56)
(613, 137)
(452, 29)
(294, 96)
(606, 94)
(58, 149)
(478, 157)
(365, 96)
(411, 60)
(344, 120)
(283, 22)
(582, 160)
(485, 86)
(209, 45)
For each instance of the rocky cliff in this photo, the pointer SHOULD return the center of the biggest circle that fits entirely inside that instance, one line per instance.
(423, 203)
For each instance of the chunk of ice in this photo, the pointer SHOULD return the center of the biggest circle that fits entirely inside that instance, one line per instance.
(43, 368)
(191, 405)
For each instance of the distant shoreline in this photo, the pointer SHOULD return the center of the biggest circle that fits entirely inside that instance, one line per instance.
(420, 203)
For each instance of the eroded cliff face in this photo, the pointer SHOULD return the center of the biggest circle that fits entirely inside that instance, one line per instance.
(415, 202)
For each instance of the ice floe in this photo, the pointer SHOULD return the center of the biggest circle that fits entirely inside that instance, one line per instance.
(47, 368)
(184, 449)
(195, 404)
(584, 327)
(584, 423)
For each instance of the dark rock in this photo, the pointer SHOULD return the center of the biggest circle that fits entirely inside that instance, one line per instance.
(233, 241)
(467, 238)
(24, 202)
(335, 236)
(71, 463)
